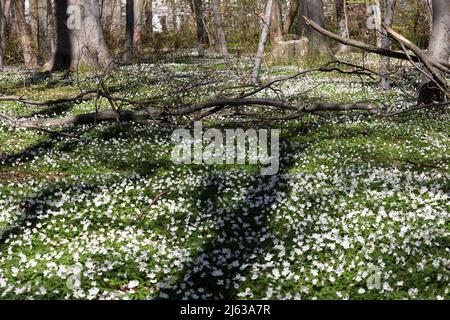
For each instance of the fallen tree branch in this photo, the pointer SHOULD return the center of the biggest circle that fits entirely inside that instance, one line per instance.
(127, 115)
(442, 66)
(422, 56)
(417, 108)
(79, 97)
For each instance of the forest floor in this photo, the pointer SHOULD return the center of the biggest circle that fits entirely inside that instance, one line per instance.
(360, 199)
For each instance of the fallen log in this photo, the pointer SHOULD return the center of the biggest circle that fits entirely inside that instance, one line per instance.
(157, 113)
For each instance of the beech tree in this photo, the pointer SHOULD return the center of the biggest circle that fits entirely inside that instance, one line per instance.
(290, 19)
(79, 36)
(341, 15)
(3, 13)
(262, 42)
(134, 28)
(438, 49)
(221, 36)
(386, 43)
(312, 9)
(24, 35)
(198, 10)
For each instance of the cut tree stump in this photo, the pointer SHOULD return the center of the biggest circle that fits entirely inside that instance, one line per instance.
(285, 51)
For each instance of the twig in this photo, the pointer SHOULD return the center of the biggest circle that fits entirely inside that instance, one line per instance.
(146, 210)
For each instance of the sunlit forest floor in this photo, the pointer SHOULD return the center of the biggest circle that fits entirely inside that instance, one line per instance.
(358, 198)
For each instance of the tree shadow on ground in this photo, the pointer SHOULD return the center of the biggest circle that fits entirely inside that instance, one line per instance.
(241, 234)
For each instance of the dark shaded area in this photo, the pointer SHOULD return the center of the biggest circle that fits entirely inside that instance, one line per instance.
(62, 57)
(237, 235)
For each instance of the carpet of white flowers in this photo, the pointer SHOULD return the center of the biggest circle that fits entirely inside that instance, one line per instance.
(359, 210)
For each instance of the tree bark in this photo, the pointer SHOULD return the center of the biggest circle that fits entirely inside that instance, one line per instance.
(221, 37)
(116, 18)
(50, 41)
(278, 20)
(79, 36)
(293, 11)
(134, 27)
(38, 22)
(262, 42)
(438, 49)
(25, 35)
(312, 9)
(386, 44)
(198, 9)
(341, 15)
(3, 14)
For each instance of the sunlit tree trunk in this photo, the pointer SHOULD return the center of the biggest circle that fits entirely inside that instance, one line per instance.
(293, 11)
(438, 48)
(278, 20)
(134, 26)
(262, 42)
(198, 9)
(39, 27)
(25, 35)
(221, 37)
(386, 44)
(341, 15)
(313, 9)
(79, 36)
(3, 14)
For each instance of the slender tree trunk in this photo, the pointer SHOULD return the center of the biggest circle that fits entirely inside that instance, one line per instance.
(38, 22)
(116, 17)
(24, 35)
(139, 20)
(79, 36)
(34, 21)
(341, 15)
(386, 44)
(374, 22)
(134, 27)
(293, 11)
(50, 41)
(313, 9)
(3, 14)
(221, 37)
(262, 42)
(198, 9)
(129, 31)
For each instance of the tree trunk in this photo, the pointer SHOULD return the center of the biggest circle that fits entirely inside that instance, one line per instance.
(3, 14)
(374, 21)
(139, 20)
(107, 11)
(79, 36)
(386, 44)
(278, 20)
(341, 15)
(50, 41)
(38, 22)
(438, 49)
(312, 9)
(24, 35)
(198, 9)
(262, 42)
(134, 27)
(293, 11)
(115, 26)
(221, 37)
(148, 14)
